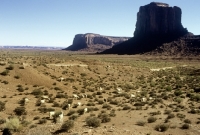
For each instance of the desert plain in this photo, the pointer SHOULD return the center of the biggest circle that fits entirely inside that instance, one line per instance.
(123, 94)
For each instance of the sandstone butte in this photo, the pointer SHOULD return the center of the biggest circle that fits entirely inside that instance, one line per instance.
(159, 31)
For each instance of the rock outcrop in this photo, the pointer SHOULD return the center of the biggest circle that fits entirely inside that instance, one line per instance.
(158, 18)
(157, 23)
(94, 42)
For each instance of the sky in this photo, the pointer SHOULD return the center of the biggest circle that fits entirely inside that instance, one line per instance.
(56, 22)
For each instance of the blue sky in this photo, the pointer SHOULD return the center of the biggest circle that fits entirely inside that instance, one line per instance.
(56, 22)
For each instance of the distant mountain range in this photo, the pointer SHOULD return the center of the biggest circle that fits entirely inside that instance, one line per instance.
(31, 47)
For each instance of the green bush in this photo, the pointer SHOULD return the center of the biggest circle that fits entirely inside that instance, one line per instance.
(178, 92)
(187, 121)
(151, 119)
(20, 89)
(80, 111)
(170, 116)
(42, 121)
(71, 112)
(185, 126)
(179, 115)
(10, 67)
(140, 123)
(106, 106)
(93, 121)
(2, 106)
(20, 111)
(13, 124)
(66, 126)
(162, 127)
(60, 95)
(37, 92)
(167, 111)
(73, 117)
(104, 117)
(16, 77)
(5, 72)
(126, 107)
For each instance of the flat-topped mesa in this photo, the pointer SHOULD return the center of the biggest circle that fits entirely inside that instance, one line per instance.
(159, 19)
(94, 41)
(159, 4)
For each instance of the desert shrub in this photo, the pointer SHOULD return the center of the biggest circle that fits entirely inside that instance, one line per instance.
(16, 77)
(167, 111)
(92, 109)
(140, 123)
(38, 131)
(126, 107)
(151, 119)
(193, 111)
(10, 67)
(20, 89)
(90, 104)
(80, 111)
(2, 106)
(177, 92)
(67, 125)
(73, 117)
(112, 113)
(185, 126)
(57, 88)
(55, 104)
(71, 112)
(42, 121)
(187, 121)
(93, 121)
(179, 115)
(162, 127)
(13, 124)
(60, 95)
(168, 88)
(98, 93)
(114, 102)
(36, 118)
(155, 113)
(194, 97)
(51, 100)
(106, 106)
(2, 121)
(42, 109)
(37, 92)
(21, 67)
(139, 104)
(64, 105)
(100, 101)
(5, 72)
(138, 108)
(170, 116)
(104, 117)
(5, 82)
(20, 111)
(4, 96)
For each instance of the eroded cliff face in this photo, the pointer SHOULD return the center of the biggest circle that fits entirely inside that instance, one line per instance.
(158, 18)
(94, 42)
(157, 23)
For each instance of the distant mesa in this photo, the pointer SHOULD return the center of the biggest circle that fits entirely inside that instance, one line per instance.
(157, 24)
(94, 42)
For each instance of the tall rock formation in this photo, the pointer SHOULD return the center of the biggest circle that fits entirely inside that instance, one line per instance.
(157, 23)
(94, 42)
(158, 18)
